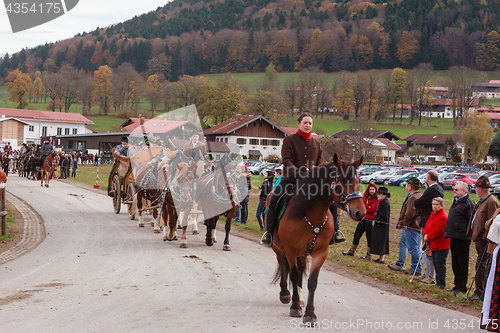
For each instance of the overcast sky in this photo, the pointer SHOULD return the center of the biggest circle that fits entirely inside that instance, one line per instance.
(86, 16)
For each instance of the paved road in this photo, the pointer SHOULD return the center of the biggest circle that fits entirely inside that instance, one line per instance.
(98, 272)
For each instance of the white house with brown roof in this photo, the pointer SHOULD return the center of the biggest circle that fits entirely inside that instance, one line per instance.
(255, 136)
(45, 124)
(375, 148)
(435, 144)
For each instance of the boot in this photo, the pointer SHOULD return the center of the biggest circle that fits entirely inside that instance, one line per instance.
(368, 255)
(267, 239)
(336, 239)
(261, 224)
(351, 251)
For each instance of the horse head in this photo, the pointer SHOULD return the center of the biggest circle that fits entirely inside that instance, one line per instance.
(346, 191)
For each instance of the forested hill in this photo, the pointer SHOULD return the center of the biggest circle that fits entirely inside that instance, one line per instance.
(192, 37)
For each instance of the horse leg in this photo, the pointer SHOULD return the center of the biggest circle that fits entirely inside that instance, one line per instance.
(195, 224)
(41, 178)
(156, 220)
(312, 283)
(301, 264)
(208, 237)
(227, 227)
(295, 308)
(184, 243)
(139, 208)
(283, 271)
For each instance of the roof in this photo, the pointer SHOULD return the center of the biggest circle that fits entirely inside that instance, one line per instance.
(491, 109)
(23, 122)
(231, 125)
(494, 115)
(293, 130)
(92, 135)
(431, 139)
(45, 115)
(367, 134)
(381, 143)
(217, 146)
(158, 126)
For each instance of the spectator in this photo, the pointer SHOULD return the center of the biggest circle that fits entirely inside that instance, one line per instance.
(64, 166)
(265, 189)
(245, 185)
(74, 165)
(434, 236)
(365, 226)
(424, 204)
(409, 240)
(456, 230)
(278, 178)
(483, 210)
(380, 226)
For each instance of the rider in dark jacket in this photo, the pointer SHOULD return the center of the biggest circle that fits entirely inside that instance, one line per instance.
(46, 149)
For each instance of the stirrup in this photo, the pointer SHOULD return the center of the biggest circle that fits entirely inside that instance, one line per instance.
(264, 237)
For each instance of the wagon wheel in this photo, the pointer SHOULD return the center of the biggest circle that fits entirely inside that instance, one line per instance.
(117, 197)
(129, 198)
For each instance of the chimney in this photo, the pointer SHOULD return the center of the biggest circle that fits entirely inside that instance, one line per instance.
(238, 117)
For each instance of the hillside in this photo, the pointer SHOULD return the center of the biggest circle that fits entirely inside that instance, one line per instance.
(193, 37)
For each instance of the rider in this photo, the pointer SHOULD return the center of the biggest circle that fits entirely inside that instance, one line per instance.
(299, 152)
(47, 148)
(191, 148)
(122, 148)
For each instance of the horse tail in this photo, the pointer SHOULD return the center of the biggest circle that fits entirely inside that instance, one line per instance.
(283, 269)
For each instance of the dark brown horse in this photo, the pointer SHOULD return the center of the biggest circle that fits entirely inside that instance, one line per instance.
(48, 167)
(307, 227)
(216, 195)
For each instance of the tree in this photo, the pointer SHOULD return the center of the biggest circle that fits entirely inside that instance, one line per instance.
(373, 96)
(407, 48)
(398, 91)
(359, 94)
(125, 86)
(344, 94)
(37, 87)
(477, 136)
(153, 90)
(223, 100)
(418, 152)
(267, 104)
(422, 76)
(71, 85)
(102, 88)
(20, 87)
(494, 150)
(452, 152)
(487, 54)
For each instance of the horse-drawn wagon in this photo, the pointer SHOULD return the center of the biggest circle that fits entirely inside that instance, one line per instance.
(121, 184)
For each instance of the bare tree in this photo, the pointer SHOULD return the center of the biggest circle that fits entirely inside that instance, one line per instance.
(71, 86)
(291, 94)
(54, 85)
(421, 78)
(359, 89)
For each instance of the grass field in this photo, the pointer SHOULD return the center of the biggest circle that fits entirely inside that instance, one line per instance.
(87, 175)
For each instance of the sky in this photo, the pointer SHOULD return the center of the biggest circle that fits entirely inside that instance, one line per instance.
(86, 16)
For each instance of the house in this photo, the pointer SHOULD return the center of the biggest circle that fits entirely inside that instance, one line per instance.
(94, 143)
(12, 130)
(434, 92)
(443, 108)
(254, 136)
(46, 124)
(375, 149)
(160, 128)
(435, 144)
(490, 90)
(368, 134)
(293, 130)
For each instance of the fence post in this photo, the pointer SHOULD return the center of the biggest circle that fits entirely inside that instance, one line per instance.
(3, 210)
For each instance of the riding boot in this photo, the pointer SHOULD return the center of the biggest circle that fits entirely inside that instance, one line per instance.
(368, 255)
(351, 251)
(269, 227)
(261, 224)
(336, 239)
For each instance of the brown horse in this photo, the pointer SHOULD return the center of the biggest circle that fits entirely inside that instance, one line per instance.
(307, 227)
(48, 167)
(216, 195)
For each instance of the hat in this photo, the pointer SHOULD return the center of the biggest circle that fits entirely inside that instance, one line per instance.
(414, 181)
(384, 190)
(483, 182)
(195, 132)
(125, 139)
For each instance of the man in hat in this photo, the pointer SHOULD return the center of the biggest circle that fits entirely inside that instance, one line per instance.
(191, 148)
(122, 148)
(409, 240)
(23, 149)
(482, 212)
(47, 148)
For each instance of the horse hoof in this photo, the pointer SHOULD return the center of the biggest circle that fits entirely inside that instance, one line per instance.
(165, 238)
(156, 231)
(214, 240)
(183, 246)
(195, 232)
(175, 237)
(209, 242)
(295, 313)
(226, 247)
(302, 303)
(141, 225)
(309, 319)
(47, 185)
(285, 299)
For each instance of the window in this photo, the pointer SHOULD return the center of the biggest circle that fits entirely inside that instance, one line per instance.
(264, 142)
(241, 141)
(254, 141)
(275, 142)
(75, 130)
(31, 128)
(66, 131)
(59, 131)
(44, 131)
(226, 140)
(432, 149)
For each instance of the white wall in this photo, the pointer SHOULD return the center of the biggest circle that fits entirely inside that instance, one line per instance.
(34, 136)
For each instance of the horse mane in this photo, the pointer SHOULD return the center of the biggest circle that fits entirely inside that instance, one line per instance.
(316, 184)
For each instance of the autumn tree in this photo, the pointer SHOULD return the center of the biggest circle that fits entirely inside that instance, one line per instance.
(267, 104)
(362, 52)
(125, 86)
(494, 150)
(19, 86)
(372, 96)
(188, 90)
(270, 81)
(344, 94)
(37, 87)
(398, 91)
(153, 91)
(359, 94)
(487, 54)
(407, 47)
(421, 78)
(290, 92)
(86, 88)
(70, 93)
(476, 136)
(102, 89)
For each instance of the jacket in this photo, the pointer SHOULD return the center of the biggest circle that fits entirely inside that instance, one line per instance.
(383, 213)
(244, 186)
(434, 229)
(458, 218)
(191, 151)
(47, 148)
(425, 202)
(371, 205)
(408, 216)
(299, 153)
(266, 188)
(483, 210)
(487, 225)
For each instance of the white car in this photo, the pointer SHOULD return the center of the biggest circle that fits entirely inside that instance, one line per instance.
(372, 177)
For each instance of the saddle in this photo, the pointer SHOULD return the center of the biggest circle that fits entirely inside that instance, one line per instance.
(282, 202)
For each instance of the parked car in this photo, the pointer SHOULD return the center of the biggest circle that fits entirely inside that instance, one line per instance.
(495, 186)
(422, 178)
(397, 174)
(458, 169)
(368, 170)
(372, 178)
(399, 180)
(444, 180)
(271, 168)
(469, 179)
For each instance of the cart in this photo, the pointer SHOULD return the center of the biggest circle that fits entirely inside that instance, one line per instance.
(122, 184)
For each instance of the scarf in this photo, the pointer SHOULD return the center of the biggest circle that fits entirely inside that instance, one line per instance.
(305, 136)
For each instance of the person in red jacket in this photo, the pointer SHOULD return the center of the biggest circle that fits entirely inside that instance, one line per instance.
(365, 225)
(434, 236)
